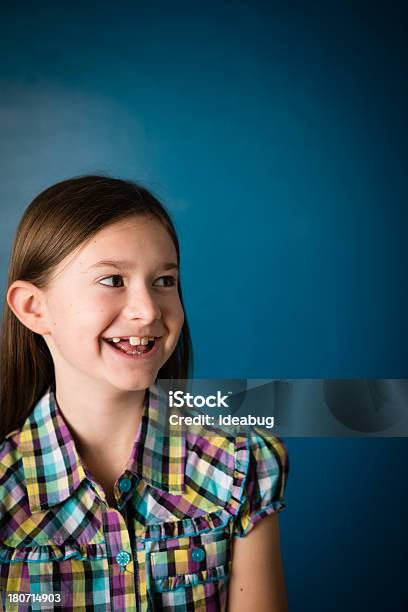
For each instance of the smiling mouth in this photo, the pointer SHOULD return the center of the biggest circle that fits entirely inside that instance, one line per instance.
(124, 346)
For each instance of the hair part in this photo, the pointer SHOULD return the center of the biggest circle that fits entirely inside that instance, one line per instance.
(56, 223)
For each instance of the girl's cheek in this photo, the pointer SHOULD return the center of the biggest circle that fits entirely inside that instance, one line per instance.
(181, 321)
(99, 308)
(172, 307)
(177, 313)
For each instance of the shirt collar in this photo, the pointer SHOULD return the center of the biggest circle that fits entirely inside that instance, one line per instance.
(53, 469)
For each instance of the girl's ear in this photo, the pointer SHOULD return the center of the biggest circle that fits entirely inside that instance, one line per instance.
(27, 303)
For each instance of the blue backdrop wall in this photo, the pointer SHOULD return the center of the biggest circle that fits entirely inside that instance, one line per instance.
(276, 133)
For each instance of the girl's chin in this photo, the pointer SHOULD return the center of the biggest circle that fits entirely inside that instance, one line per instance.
(137, 383)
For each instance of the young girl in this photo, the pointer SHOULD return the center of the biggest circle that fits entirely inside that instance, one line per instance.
(99, 510)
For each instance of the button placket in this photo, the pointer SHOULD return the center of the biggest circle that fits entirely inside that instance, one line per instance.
(122, 561)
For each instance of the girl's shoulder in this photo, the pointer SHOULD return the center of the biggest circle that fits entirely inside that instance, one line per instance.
(265, 480)
(246, 473)
(251, 450)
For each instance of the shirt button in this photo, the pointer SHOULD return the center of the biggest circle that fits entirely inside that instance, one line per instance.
(198, 554)
(123, 558)
(124, 485)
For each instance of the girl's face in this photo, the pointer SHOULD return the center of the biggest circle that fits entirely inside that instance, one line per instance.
(91, 300)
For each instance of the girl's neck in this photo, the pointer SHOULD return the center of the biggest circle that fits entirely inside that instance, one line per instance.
(101, 422)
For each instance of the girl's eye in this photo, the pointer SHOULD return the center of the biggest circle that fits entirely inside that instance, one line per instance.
(167, 281)
(108, 277)
(170, 281)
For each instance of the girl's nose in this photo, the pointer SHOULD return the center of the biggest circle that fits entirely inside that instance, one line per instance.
(142, 305)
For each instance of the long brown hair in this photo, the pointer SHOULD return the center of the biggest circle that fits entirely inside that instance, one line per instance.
(56, 222)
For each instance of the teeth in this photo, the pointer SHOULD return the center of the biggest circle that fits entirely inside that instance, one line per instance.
(135, 340)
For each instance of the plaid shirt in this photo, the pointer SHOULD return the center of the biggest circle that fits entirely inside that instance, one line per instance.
(165, 546)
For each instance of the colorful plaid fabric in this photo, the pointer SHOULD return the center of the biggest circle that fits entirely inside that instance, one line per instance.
(165, 546)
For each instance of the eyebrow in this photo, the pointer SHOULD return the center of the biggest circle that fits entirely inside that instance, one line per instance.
(123, 264)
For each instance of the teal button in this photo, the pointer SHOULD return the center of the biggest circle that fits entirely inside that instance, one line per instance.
(198, 554)
(124, 485)
(123, 557)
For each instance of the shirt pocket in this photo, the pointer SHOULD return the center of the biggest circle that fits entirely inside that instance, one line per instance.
(51, 574)
(191, 572)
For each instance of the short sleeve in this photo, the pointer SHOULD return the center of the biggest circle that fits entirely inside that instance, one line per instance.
(265, 481)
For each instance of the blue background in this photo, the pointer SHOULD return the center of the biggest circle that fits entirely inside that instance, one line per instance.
(276, 133)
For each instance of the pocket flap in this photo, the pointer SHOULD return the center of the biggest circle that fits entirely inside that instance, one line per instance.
(187, 561)
(190, 555)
